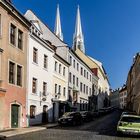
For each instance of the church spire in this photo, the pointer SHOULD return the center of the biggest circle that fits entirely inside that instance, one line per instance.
(78, 38)
(57, 29)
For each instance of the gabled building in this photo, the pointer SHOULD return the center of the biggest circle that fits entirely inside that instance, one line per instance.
(48, 74)
(60, 87)
(40, 74)
(80, 75)
(14, 30)
(95, 66)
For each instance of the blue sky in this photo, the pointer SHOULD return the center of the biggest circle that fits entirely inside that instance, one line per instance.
(111, 29)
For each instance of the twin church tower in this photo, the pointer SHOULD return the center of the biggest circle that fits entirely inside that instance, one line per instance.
(78, 38)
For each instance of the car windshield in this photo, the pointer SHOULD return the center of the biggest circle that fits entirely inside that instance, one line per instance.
(131, 119)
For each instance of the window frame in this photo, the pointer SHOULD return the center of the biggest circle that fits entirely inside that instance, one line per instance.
(33, 113)
(45, 64)
(35, 85)
(44, 89)
(55, 66)
(35, 55)
(60, 68)
(64, 91)
(21, 40)
(12, 35)
(20, 76)
(14, 73)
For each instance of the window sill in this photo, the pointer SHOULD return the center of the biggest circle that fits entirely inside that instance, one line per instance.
(35, 63)
(34, 94)
(12, 45)
(15, 85)
(46, 69)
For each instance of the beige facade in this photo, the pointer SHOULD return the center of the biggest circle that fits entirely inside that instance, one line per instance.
(103, 83)
(12, 94)
(123, 97)
(133, 85)
(60, 87)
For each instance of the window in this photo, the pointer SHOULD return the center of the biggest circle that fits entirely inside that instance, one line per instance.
(59, 90)
(0, 26)
(73, 79)
(84, 73)
(77, 67)
(19, 75)
(11, 73)
(70, 77)
(81, 87)
(74, 63)
(87, 75)
(45, 61)
(81, 71)
(90, 78)
(77, 82)
(32, 111)
(90, 91)
(13, 34)
(55, 88)
(64, 91)
(84, 88)
(34, 85)
(80, 105)
(59, 68)
(20, 39)
(64, 71)
(55, 67)
(44, 88)
(70, 60)
(35, 55)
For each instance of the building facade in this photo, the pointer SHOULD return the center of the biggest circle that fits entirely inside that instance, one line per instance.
(103, 83)
(60, 87)
(14, 30)
(123, 97)
(133, 88)
(115, 98)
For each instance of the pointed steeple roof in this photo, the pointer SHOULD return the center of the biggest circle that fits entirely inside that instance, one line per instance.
(57, 29)
(78, 38)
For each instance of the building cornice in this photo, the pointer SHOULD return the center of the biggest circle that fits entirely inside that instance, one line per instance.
(61, 59)
(14, 12)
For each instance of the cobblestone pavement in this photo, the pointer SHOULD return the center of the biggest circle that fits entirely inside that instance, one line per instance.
(103, 128)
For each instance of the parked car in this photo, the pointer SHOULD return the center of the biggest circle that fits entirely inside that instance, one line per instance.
(129, 124)
(86, 116)
(70, 118)
(128, 113)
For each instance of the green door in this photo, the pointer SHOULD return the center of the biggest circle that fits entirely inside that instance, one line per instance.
(14, 116)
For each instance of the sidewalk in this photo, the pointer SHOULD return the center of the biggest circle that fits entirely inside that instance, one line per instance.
(18, 131)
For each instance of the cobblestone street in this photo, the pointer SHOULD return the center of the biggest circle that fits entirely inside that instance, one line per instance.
(103, 128)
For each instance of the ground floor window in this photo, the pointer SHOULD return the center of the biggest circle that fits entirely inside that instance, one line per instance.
(32, 111)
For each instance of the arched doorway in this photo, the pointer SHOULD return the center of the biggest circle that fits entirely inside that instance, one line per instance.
(45, 114)
(15, 115)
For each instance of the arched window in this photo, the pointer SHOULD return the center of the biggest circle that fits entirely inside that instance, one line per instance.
(32, 111)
